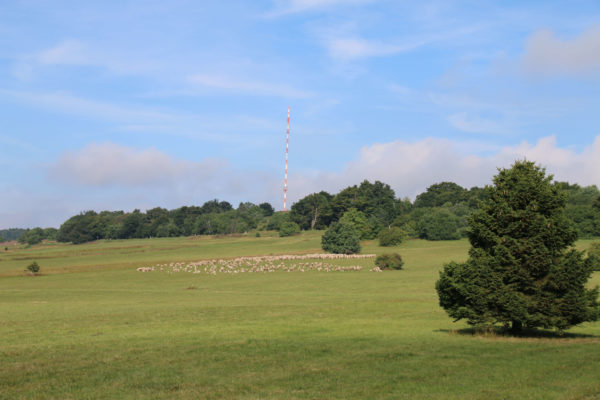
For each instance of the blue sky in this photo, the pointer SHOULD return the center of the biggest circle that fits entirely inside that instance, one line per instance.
(135, 104)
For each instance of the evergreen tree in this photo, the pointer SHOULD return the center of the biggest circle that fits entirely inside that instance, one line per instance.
(521, 270)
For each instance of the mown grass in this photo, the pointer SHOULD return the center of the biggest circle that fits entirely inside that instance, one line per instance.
(93, 327)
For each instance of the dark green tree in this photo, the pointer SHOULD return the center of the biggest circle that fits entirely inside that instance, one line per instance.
(312, 211)
(341, 238)
(376, 200)
(267, 208)
(596, 204)
(216, 206)
(522, 269)
(441, 193)
(580, 208)
(132, 225)
(80, 228)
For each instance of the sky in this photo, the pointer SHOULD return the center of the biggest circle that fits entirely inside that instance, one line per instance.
(118, 105)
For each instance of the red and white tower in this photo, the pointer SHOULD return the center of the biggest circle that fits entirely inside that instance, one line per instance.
(287, 149)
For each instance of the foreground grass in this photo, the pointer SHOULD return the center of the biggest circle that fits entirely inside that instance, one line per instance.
(113, 332)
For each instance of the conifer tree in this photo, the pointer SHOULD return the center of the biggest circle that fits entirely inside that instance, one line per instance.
(522, 270)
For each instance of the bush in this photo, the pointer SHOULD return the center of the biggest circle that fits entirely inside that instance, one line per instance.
(389, 261)
(391, 237)
(34, 268)
(341, 238)
(289, 229)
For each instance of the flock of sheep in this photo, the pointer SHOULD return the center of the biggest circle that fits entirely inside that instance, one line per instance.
(286, 262)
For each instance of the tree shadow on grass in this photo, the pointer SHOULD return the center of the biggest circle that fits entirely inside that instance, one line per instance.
(526, 333)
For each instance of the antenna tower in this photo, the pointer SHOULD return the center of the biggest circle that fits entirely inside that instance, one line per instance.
(287, 147)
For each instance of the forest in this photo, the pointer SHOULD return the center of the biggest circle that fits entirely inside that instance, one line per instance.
(439, 213)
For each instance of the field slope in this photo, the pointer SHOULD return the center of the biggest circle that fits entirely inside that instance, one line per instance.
(93, 327)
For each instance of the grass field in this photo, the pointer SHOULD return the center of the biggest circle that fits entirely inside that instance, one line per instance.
(91, 327)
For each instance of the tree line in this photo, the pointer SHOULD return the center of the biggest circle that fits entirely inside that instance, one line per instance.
(439, 213)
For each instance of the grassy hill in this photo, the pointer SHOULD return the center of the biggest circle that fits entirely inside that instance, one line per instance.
(93, 327)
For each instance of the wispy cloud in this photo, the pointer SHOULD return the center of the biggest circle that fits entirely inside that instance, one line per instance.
(116, 58)
(285, 7)
(67, 52)
(548, 54)
(249, 87)
(68, 103)
(136, 118)
(475, 124)
(345, 46)
(355, 48)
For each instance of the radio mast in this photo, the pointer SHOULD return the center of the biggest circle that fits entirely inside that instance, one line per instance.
(287, 147)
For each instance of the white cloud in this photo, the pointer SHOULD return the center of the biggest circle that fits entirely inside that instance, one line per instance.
(548, 54)
(109, 166)
(410, 167)
(228, 83)
(112, 164)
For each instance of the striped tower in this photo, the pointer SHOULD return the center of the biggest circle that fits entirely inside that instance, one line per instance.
(287, 149)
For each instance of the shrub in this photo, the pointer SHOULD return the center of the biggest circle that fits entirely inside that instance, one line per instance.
(34, 268)
(389, 261)
(391, 237)
(289, 229)
(341, 238)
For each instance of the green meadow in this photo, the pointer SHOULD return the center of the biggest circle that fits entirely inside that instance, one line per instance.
(92, 327)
